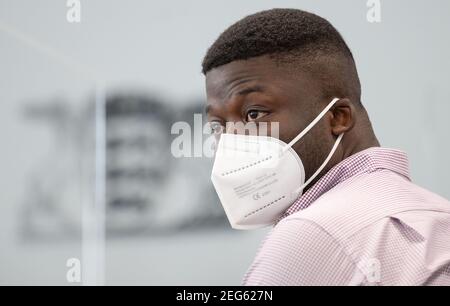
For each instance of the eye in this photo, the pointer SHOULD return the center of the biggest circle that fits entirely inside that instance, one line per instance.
(216, 127)
(254, 114)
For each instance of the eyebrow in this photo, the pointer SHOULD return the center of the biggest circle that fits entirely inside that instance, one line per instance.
(254, 88)
(242, 92)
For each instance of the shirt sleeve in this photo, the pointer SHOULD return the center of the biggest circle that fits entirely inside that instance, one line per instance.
(298, 252)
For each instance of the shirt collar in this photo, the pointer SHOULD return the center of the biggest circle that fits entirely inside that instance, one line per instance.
(365, 161)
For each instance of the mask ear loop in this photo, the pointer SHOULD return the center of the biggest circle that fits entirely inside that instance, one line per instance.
(336, 144)
(310, 126)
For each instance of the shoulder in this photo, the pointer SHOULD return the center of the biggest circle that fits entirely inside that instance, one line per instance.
(316, 245)
(300, 252)
(366, 199)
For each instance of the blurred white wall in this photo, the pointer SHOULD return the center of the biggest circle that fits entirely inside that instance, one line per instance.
(158, 46)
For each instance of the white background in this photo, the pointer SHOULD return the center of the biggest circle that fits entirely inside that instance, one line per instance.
(158, 46)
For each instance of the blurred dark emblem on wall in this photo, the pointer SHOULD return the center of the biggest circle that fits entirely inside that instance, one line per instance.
(148, 191)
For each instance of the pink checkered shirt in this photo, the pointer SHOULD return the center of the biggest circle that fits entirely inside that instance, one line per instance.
(363, 223)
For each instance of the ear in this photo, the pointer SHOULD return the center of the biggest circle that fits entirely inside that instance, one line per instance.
(344, 115)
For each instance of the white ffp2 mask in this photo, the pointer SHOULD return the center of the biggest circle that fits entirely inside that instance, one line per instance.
(258, 177)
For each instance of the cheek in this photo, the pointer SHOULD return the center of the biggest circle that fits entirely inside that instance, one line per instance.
(318, 139)
(289, 126)
(314, 147)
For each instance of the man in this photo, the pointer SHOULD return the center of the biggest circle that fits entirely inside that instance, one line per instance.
(360, 220)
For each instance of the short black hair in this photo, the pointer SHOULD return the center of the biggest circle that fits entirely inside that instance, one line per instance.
(290, 35)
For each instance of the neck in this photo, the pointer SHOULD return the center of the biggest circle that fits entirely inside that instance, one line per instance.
(363, 138)
(357, 140)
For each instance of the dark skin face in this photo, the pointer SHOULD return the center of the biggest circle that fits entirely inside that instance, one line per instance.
(260, 90)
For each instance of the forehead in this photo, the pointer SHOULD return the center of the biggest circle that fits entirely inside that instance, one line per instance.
(284, 81)
(221, 80)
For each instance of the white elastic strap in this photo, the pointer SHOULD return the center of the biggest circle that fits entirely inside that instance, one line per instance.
(338, 140)
(311, 125)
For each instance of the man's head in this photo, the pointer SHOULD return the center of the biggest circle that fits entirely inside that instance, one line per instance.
(286, 65)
